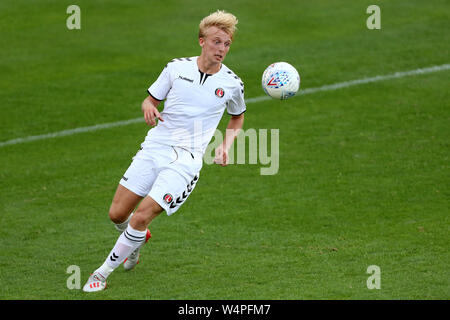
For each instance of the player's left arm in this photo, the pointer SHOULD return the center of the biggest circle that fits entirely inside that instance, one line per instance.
(233, 128)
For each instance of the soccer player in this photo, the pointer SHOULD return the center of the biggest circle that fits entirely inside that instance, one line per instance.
(165, 170)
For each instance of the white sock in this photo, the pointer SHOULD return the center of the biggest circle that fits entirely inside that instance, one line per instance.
(128, 241)
(121, 227)
(104, 270)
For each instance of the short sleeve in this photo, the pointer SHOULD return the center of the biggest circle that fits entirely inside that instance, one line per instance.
(160, 88)
(236, 105)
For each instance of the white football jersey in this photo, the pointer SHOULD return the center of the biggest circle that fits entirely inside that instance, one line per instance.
(194, 103)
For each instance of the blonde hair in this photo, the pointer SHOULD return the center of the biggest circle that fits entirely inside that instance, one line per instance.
(220, 19)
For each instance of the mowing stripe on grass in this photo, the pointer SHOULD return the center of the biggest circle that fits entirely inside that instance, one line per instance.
(327, 87)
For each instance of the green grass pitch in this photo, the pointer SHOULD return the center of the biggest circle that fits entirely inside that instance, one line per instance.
(363, 172)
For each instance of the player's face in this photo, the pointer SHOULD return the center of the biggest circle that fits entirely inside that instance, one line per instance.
(215, 44)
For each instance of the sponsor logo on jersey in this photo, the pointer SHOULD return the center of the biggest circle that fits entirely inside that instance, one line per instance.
(186, 79)
(220, 92)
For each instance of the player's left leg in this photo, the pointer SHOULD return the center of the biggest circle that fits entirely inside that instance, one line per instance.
(168, 193)
(134, 186)
(147, 210)
(135, 235)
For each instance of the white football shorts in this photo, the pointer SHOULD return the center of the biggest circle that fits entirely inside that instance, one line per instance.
(165, 173)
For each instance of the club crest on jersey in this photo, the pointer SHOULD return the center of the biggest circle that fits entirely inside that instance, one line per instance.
(220, 92)
(168, 198)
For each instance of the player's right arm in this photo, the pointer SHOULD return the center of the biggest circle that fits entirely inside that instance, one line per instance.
(157, 92)
(150, 110)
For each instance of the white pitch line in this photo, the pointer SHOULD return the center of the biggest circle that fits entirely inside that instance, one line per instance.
(328, 87)
(71, 131)
(356, 82)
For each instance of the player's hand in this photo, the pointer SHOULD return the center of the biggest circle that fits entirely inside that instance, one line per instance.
(221, 156)
(151, 113)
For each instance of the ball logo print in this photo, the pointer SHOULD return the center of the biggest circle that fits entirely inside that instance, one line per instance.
(220, 92)
(280, 80)
(273, 83)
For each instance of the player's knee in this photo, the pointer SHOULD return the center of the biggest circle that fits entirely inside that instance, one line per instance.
(116, 215)
(140, 219)
(143, 216)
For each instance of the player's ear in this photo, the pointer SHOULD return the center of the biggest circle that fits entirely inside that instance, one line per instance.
(201, 41)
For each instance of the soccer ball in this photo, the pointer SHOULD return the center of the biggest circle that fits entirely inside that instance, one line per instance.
(280, 80)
